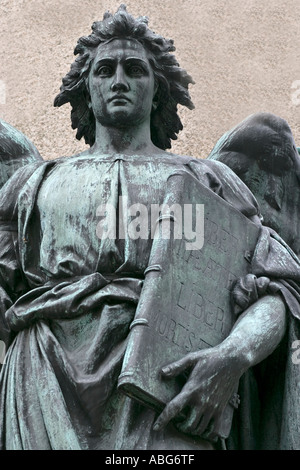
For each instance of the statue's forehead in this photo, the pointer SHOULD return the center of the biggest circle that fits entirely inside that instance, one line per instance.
(120, 47)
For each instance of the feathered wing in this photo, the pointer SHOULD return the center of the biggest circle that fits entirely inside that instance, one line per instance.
(16, 151)
(261, 150)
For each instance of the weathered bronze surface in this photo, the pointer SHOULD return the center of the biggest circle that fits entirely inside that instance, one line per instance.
(76, 238)
(15, 151)
(185, 304)
(262, 151)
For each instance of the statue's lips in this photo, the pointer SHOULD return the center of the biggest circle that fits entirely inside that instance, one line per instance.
(119, 98)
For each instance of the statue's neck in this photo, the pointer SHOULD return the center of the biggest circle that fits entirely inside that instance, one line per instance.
(131, 140)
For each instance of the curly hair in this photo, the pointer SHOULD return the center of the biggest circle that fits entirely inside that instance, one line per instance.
(172, 80)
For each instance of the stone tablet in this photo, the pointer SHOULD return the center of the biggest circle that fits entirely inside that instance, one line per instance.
(185, 303)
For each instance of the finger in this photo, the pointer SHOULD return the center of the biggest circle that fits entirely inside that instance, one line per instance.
(191, 422)
(204, 423)
(215, 424)
(171, 410)
(175, 368)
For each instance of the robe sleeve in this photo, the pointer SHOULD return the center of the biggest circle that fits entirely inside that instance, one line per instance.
(12, 281)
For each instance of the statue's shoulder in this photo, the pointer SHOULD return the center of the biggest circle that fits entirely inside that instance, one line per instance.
(202, 165)
(198, 161)
(182, 159)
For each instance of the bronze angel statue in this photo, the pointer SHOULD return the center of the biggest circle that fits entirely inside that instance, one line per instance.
(68, 297)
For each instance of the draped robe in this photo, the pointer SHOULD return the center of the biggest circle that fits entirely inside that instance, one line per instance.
(68, 298)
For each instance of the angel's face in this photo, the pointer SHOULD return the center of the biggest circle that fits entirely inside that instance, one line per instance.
(121, 84)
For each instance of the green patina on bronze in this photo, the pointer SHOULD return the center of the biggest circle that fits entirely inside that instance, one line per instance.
(69, 296)
(15, 151)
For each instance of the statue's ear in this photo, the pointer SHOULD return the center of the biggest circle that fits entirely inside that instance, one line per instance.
(156, 97)
(88, 94)
(154, 105)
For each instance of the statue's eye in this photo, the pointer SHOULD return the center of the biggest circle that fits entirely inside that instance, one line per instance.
(105, 70)
(136, 70)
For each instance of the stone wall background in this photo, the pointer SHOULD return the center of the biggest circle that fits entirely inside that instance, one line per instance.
(243, 56)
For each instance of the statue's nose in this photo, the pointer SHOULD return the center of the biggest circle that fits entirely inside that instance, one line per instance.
(120, 82)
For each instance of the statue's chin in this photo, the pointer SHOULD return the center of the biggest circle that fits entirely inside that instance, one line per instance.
(121, 120)
(122, 116)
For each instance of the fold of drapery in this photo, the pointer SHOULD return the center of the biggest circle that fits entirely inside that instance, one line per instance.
(60, 373)
(70, 298)
(41, 370)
